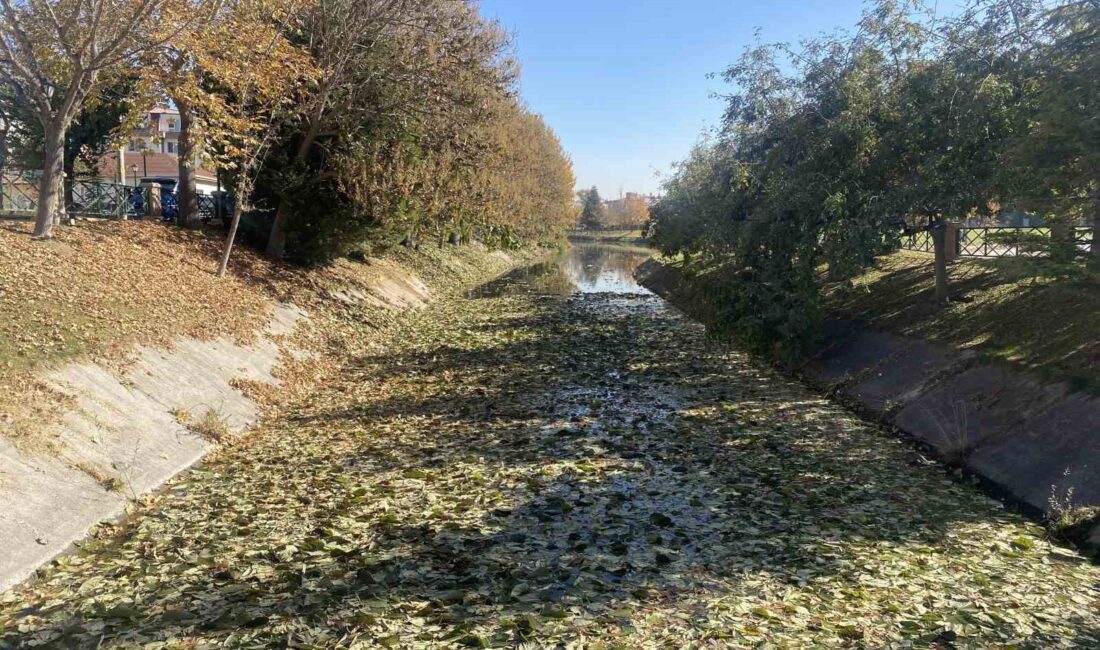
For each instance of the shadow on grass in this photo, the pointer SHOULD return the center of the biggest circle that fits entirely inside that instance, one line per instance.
(1013, 310)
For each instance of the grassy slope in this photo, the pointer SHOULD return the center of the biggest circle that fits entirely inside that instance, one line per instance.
(101, 289)
(1009, 310)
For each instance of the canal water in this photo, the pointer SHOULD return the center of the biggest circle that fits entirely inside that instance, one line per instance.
(585, 268)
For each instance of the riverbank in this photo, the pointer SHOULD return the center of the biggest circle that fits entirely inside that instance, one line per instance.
(141, 363)
(1025, 313)
(527, 465)
(1031, 439)
(626, 236)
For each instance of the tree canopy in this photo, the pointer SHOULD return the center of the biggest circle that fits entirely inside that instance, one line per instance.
(341, 125)
(827, 149)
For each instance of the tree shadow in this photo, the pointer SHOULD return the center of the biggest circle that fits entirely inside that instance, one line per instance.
(594, 469)
(1006, 308)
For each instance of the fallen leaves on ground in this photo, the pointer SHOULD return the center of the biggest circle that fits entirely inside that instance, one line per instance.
(528, 470)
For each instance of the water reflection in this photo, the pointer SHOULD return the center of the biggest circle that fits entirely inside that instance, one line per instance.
(604, 268)
(584, 268)
(542, 278)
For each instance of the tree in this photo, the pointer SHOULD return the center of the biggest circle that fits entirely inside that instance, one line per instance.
(418, 135)
(53, 55)
(827, 148)
(247, 88)
(345, 38)
(593, 212)
(1052, 165)
(171, 72)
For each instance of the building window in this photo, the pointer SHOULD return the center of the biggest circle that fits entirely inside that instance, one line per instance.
(171, 146)
(134, 145)
(173, 124)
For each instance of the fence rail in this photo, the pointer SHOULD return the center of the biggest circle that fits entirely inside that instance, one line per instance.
(1003, 241)
(1084, 239)
(101, 199)
(18, 191)
(83, 198)
(920, 241)
(1000, 241)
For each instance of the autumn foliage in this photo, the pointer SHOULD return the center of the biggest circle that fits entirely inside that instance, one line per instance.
(341, 125)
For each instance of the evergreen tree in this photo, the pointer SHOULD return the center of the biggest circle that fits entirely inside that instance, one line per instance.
(593, 213)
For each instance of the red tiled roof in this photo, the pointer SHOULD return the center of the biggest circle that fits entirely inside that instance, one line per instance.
(149, 164)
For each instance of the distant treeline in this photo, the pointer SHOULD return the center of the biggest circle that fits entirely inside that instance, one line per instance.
(828, 149)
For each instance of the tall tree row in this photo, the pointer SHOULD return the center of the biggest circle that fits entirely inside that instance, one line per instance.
(828, 150)
(340, 125)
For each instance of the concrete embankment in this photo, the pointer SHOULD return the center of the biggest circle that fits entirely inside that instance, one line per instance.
(1036, 441)
(123, 430)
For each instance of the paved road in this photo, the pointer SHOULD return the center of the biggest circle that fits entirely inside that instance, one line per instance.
(532, 468)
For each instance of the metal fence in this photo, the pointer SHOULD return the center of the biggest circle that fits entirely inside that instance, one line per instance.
(83, 198)
(1084, 239)
(18, 192)
(101, 199)
(920, 241)
(207, 207)
(999, 241)
(1003, 241)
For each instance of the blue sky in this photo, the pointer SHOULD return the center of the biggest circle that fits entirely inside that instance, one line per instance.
(623, 82)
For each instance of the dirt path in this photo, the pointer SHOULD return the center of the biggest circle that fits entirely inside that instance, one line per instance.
(537, 471)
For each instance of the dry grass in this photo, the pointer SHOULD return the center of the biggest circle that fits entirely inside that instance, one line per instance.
(100, 290)
(211, 426)
(108, 483)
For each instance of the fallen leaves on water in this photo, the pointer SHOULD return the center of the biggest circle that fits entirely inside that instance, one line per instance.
(533, 471)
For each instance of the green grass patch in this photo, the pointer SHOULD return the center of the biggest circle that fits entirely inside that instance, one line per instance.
(1029, 313)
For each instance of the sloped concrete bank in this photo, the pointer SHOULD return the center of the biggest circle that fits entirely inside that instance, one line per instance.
(1038, 442)
(124, 433)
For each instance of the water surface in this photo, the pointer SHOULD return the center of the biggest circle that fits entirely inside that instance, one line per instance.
(604, 268)
(584, 268)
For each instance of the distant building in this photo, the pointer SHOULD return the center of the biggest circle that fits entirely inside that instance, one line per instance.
(151, 152)
(618, 204)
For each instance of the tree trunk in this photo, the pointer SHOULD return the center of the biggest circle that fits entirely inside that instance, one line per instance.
(276, 239)
(223, 264)
(186, 193)
(69, 167)
(939, 241)
(1094, 253)
(49, 207)
(1062, 247)
(3, 145)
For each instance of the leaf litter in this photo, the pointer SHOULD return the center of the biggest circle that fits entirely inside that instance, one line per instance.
(548, 471)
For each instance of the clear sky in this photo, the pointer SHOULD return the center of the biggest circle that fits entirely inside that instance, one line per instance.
(623, 82)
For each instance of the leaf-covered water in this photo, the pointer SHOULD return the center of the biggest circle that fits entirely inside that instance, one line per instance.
(541, 468)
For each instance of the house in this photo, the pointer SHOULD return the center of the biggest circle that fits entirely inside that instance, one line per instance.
(153, 166)
(151, 152)
(157, 132)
